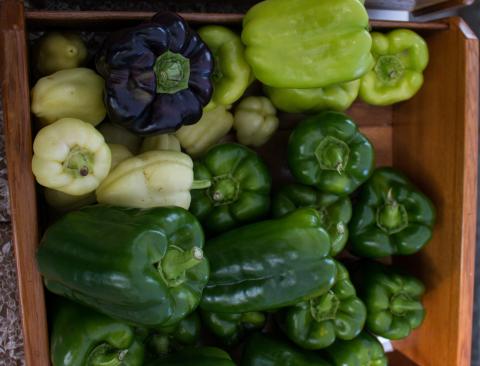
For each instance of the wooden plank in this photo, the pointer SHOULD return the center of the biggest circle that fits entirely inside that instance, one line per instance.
(435, 141)
(16, 101)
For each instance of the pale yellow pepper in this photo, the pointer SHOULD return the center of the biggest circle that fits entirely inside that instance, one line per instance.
(160, 142)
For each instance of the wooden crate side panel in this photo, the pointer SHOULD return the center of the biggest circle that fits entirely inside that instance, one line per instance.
(435, 143)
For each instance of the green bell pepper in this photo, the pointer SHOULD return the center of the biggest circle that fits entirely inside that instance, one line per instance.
(335, 211)
(142, 266)
(393, 300)
(306, 44)
(82, 337)
(263, 350)
(231, 73)
(230, 327)
(269, 265)
(239, 191)
(205, 356)
(327, 151)
(392, 217)
(400, 58)
(363, 350)
(316, 323)
(338, 97)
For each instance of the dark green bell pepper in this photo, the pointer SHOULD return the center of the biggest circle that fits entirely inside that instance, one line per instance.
(393, 299)
(142, 266)
(229, 328)
(269, 264)
(204, 356)
(327, 151)
(334, 210)
(364, 350)
(263, 350)
(392, 217)
(83, 337)
(316, 323)
(239, 191)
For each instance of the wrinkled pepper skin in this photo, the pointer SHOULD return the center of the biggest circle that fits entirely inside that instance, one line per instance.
(316, 323)
(204, 356)
(363, 350)
(269, 265)
(145, 267)
(157, 75)
(230, 327)
(335, 211)
(338, 97)
(393, 300)
(83, 337)
(327, 151)
(401, 56)
(306, 44)
(263, 350)
(392, 217)
(239, 191)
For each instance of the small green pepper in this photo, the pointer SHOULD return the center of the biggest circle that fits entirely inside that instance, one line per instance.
(327, 151)
(400, 58)
(392, 217)
(334, 210)
(203, 356)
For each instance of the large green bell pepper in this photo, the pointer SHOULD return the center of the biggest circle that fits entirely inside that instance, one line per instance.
(327, 151)
(393, 300)
(205, 356)
(361, 351)
(263, 350)
(239, 191)
(269, 264)
(400, 58)
(142, 266)
(392, 217)
(82, 337)
(335, 211)
(338, 97)
(229, 328)
(316, 323)
(307, 43)
(231, 73)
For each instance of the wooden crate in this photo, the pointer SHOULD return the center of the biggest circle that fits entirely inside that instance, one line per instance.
(432, 138)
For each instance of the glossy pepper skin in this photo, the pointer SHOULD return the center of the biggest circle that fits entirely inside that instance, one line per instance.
(306, 44)
(231, 72)
(337, 314)
(393, 300)
(327, 151)
(157, 75)
(83, 337)
(231, 327)
(335, 211)
(401, 56)
(392, 217)
(263, 350)
(362, 350)
(204, 356)
(269, 264)
(142, 266)
(239, 191)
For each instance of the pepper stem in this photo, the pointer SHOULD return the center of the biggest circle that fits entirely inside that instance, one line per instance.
(201, 184)
(79, 162)
(177, 262)
(389, 69)
(224, 190)
(402, 303)
(253, 319)
(172, 71)
(332, 154)
(106, 355)
(392, 217)
(324, 307)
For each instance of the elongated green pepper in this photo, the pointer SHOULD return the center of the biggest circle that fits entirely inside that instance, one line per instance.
(205, 356)
(82, 337)
(316, 323)
(391, 217)
(334, 210)
(142, 266)
(327, 151)
(269, 264)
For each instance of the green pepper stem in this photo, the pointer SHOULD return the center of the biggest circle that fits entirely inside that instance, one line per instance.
(177, 262)
(324, 307)
(402, 303)
(253, 319)
(172, 71)
(332, 154)
(389, 69)
(392, 217)
(224, 190)
(79, 162)
(106, 355)
(201, 184)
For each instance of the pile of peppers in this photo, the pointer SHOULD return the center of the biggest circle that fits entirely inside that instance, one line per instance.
(170, 234)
